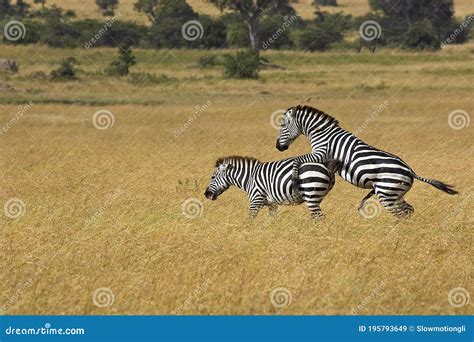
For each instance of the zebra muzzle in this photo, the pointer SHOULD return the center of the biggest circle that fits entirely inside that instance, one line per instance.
(210, 195)
(281, 148)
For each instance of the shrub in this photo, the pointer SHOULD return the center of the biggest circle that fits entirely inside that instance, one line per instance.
(120, 66)
(327, 29)
(38, 75)
(66, 71)
(141, 78)
(238, 35)
(313, 38)
(245, 64)
(207, 61)
(422, 35)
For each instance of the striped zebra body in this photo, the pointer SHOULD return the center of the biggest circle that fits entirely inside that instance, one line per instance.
(271, 183)
(362, 165)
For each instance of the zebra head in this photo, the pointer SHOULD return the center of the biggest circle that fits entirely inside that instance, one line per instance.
(289, 130)
(303, 120)
(219, 181)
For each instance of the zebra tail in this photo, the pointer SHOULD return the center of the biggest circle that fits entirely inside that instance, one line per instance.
(334, 165)
(438, 184)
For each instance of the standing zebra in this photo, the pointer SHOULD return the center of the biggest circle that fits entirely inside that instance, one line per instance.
(364, 166)
(270, 184)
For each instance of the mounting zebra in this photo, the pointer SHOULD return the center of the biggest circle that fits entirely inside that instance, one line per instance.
(364, 166)
(271, 184)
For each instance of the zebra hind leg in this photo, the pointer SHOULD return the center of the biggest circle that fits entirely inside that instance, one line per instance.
(313, 203)
(398, 207)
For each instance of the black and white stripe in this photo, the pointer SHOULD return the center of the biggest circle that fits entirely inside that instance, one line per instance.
(364, 166)
(271, 184)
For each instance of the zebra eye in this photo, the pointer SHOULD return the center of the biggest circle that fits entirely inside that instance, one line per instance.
(213, 177)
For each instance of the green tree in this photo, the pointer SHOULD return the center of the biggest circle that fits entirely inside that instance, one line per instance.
(251, 11)
(57, 29)
(21, 8)
(148, 7)
(401, 16)
(107, 7)
(325, 3)
(41, 2)
(5, 8)
(170, 16)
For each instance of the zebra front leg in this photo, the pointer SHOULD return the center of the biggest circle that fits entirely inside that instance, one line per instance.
(255, 205)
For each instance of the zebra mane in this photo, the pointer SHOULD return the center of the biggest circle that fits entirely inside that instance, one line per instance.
(232, 159)
(315, 111)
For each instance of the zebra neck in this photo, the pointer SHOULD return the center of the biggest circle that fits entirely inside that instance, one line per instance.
(321, 137)
(242, 177)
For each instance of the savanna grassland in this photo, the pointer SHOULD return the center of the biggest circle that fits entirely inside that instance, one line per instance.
(103, 208)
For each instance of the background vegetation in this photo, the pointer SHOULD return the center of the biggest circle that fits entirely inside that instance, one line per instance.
(157, 24)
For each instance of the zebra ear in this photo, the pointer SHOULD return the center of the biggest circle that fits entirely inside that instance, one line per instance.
(291, 112)
(226, 167)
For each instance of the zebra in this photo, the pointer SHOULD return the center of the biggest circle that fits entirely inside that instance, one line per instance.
(270, 183)
(364, 166)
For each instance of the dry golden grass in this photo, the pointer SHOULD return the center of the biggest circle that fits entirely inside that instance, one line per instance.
(103, 208)
(88, 8)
